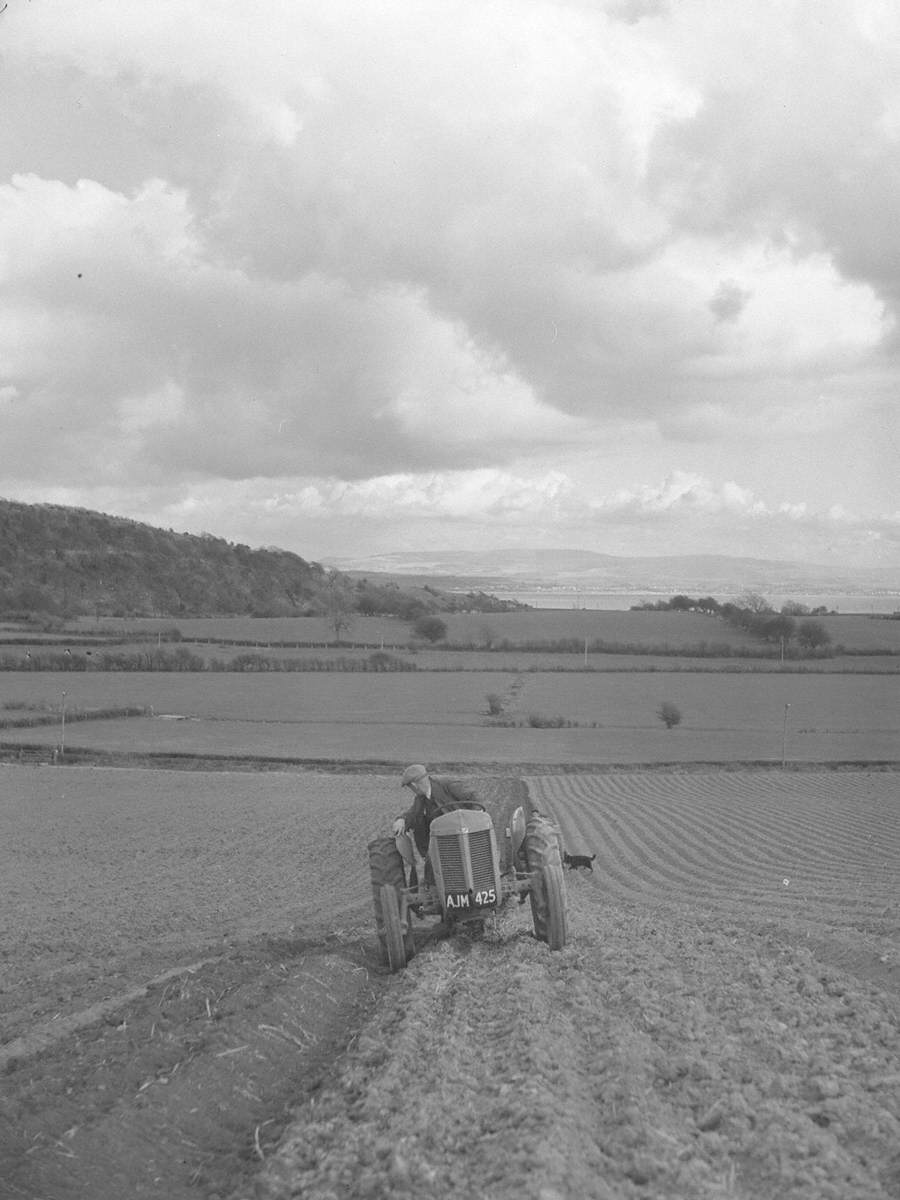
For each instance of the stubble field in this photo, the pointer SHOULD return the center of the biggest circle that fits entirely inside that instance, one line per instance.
(724, 1021)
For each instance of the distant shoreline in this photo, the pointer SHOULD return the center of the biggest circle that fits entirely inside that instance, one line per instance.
(573, 597)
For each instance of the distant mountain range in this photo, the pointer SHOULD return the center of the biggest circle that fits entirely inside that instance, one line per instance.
(713, 574)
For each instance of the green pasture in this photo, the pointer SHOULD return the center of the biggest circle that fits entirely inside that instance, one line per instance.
(443, 717)
(717, 702)
(856, 631)
(470, 629)
(643, 630)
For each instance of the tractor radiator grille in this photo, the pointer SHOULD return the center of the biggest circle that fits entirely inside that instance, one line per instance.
(453, 866)
(482, 859)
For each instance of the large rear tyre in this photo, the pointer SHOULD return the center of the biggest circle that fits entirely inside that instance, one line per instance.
(555, 893)
(386, 870)
(542, 852)
(394, 941)
(516, 852)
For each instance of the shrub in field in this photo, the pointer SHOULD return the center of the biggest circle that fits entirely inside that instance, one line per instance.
(669, 714)
(495, 704)
(812, 635)
(251, 662)
(382, 661)
(433, 629)
(539, 721)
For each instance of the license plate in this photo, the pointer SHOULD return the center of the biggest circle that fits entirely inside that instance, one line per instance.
(456, 902)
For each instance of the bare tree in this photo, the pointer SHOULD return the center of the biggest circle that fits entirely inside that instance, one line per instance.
(339, 606)
(754, 602)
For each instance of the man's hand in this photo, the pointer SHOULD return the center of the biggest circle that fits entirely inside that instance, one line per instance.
(399, 826)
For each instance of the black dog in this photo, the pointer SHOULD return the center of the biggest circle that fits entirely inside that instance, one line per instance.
(573, 861)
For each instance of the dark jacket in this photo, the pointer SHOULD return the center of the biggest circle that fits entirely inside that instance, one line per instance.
(446, 795)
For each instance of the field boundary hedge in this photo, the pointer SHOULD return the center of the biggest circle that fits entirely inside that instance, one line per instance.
(52, 716)
(365, 666)
(38, 754)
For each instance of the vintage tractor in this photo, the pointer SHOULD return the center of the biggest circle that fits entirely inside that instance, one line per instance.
(469, 877)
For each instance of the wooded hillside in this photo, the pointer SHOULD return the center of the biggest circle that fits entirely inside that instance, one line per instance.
(67, 562)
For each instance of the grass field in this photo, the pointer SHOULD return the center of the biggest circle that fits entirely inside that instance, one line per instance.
(856, 632)
(443, 716)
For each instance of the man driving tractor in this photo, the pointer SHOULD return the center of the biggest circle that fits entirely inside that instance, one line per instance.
(411, 831)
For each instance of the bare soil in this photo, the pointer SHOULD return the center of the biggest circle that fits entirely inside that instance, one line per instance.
(210, 1018)
(181, 1091)
(658, 1055)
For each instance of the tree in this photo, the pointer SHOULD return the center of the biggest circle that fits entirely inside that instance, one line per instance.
(812, 635)
(338, 605)
(754, 602)
(778, 628)
(486, 635)
(432, 629)
(669, 714)
(340, 621)
(708, 604)
(793, 608)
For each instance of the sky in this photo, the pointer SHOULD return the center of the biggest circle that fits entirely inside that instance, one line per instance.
(351, 278)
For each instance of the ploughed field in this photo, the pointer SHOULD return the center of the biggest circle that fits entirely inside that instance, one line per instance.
(192, 1002)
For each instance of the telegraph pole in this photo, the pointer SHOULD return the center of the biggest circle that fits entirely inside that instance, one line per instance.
(784, 737)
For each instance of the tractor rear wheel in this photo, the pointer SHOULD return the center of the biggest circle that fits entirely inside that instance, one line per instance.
(394, 941)
(386, 870)
(548, 910)
(555, 893)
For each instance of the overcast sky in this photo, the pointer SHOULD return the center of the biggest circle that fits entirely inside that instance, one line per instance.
(352, 276)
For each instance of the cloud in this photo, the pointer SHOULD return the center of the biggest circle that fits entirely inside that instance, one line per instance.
(796, 136)
(481, 243)
(128, 340)
(683, 513)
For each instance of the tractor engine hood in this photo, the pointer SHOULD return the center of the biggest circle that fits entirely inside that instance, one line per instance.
(461, 820)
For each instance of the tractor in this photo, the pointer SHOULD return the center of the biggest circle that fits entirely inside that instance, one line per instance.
(467, 878)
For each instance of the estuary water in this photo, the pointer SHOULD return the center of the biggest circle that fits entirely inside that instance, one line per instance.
(555, 597)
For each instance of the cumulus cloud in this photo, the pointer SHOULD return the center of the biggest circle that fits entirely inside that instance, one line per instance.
(328, 249)
(165, 360)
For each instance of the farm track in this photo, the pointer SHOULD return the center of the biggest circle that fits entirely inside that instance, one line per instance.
(709, 1032)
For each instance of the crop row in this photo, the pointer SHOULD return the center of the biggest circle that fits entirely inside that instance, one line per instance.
(824, 846)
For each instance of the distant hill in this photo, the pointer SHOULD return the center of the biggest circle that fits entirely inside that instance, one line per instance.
(716, 574)
(67, 562)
